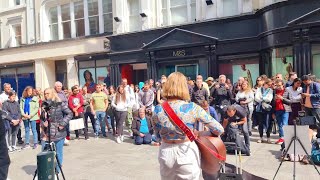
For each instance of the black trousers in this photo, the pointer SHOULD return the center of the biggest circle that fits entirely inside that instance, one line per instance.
(4, 158)
(121, 116)
(264, 121)
(93, 121)
(19, 135)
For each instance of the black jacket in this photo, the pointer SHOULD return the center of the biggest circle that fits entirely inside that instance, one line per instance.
(199, 94)
(4, 156)
(137, 123)
(13, 109)
(59, 116)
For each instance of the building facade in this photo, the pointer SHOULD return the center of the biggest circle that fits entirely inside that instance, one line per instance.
(138, 39)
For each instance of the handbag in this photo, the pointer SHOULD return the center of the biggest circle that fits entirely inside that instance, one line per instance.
(212, 149)
(76, 124)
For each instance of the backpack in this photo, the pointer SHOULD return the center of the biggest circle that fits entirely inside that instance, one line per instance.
(232, 135)
(315, 153)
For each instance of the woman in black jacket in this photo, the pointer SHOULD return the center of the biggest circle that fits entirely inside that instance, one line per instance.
(59, 115)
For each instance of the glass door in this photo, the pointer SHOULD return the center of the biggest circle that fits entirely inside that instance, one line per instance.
(189, 70)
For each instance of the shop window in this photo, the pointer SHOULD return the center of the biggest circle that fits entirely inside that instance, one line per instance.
(98, 70)
(134, 73)
(244, 67)
(282, 61)
(79, 18)
(134, 16)
(53, 23)
(315, 60)
(93, 13)
(66, 22)
(230, 7)
(107, 16)
(178, 11)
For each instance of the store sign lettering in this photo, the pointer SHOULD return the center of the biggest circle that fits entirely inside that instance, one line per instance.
(179, 53)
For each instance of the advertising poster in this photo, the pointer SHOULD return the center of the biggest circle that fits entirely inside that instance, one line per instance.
(282, 65)
(250, 71)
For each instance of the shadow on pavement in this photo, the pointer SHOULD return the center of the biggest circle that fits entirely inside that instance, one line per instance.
(29, 169)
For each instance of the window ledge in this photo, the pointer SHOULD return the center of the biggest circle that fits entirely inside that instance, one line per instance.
(13, 9)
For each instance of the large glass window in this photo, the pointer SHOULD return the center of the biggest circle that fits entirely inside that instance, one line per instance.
(316, 60)
(93, 13)
(16, 35)
(244, 67)
(282, 61)
(230, 7)
(66, 23)
(53, 23)
(134, 16)
(98, 70)
(107, 16)
(79, 18)
(179, 11)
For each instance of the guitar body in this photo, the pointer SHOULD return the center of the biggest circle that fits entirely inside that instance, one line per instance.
(206, 144)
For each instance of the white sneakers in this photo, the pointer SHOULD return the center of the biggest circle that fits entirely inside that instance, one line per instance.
(119, 139)
(66, 142)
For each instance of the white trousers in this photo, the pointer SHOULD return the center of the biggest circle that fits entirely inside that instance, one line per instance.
(179, 161)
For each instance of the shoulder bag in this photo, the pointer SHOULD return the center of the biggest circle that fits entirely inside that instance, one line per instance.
(212, 149)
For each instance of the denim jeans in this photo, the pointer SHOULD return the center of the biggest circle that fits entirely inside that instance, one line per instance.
(59, 150)
(143, 140)
(34, 131)
(100, 123)
(245, 132)
(282, 118)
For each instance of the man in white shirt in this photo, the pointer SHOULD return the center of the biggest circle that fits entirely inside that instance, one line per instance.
(130, 93)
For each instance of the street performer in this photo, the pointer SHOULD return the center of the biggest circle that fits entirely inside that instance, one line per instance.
(179, 157)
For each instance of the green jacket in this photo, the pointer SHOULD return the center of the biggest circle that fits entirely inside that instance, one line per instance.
(34, 108)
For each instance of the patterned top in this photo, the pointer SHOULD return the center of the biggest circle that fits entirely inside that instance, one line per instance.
(189, 113)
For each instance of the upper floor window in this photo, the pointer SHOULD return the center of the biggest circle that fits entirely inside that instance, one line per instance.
(79, 18)
(230, 7)
(178, 11)
(93, 12)
(107, 16)
(134, 15)
(53, 23)
(16, 35)
(17, 2)
(66, 22)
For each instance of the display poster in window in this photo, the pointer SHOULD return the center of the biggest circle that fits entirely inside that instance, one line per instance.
(283, 66)
(103, 75)
(87, 78)
(249, 71)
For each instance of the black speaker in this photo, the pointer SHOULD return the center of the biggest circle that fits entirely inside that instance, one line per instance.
(308, 120)
(46, 165)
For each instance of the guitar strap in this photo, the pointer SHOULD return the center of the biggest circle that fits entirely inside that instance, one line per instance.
(179, 123)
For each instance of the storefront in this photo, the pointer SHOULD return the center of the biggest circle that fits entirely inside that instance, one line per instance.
(248, 45)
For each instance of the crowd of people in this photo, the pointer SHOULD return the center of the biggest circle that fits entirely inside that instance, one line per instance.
(223, 107)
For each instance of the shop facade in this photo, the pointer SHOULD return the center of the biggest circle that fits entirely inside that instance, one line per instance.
(279, 38)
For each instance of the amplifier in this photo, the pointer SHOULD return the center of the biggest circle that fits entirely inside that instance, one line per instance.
(46, 165)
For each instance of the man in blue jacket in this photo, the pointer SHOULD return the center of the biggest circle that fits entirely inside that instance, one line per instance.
(311, 100)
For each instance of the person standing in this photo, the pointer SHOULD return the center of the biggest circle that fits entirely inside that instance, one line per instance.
(87, 109)
(14, 117)
(4, 156)
(178, 157)
(311, 100)
(245, 98)
(293, 93)
(64, 100)
(76, 103)
(263, 99)
(4, 97)
(129, 94)
(110, 109)
(99, 105)
(146, 98)
(199, 93)
(29, 107)
(58, 123)
(120, 103)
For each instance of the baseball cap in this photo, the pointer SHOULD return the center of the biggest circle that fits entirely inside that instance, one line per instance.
(210, 79)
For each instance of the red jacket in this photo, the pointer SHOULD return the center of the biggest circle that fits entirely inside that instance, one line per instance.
(74, 101)
(279, 102)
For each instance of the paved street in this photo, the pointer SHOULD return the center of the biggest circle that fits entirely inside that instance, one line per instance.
(104, 159)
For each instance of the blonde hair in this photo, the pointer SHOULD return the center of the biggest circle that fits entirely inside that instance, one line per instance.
(249, 89)
(52, 94)
(176, 87)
